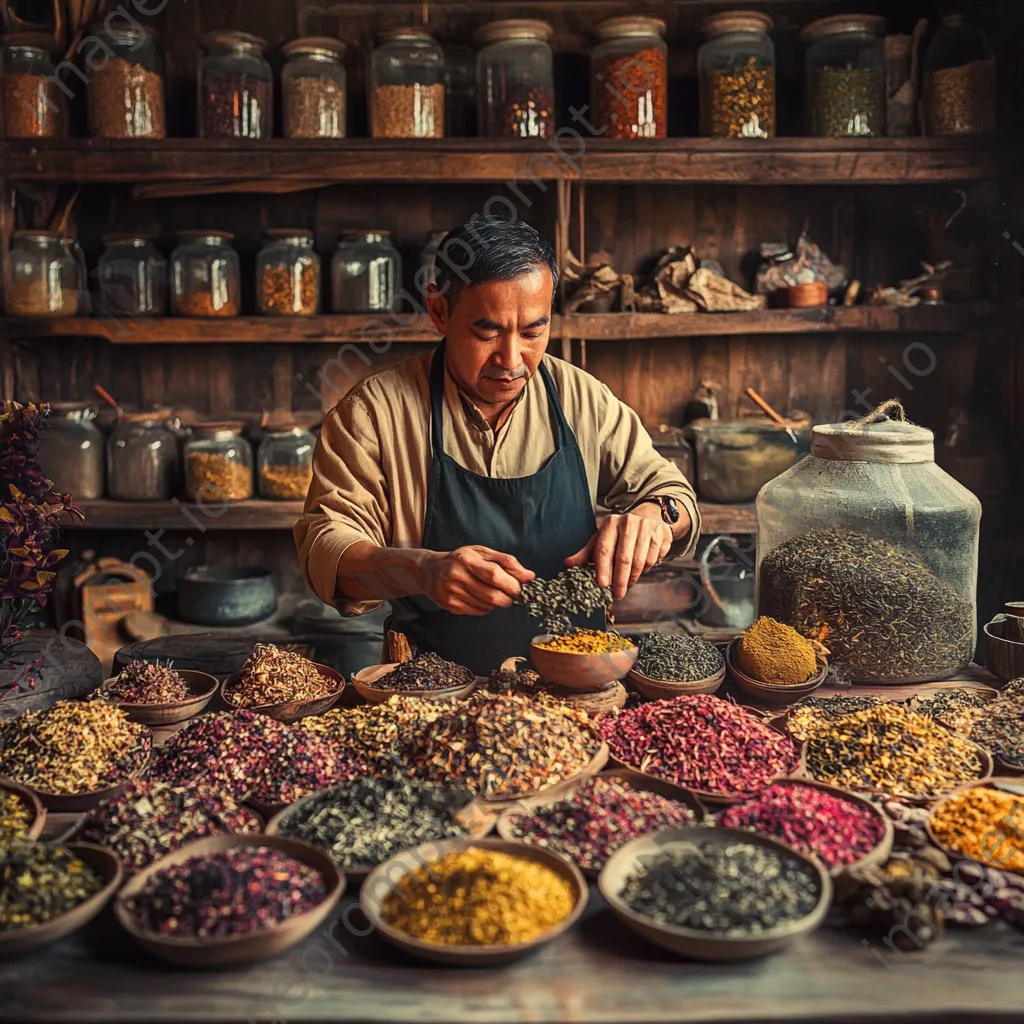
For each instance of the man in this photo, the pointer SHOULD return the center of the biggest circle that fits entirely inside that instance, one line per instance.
(444, 482)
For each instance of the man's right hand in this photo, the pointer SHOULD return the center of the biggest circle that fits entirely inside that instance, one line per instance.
(474, 580)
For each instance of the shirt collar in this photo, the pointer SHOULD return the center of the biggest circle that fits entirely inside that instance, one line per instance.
(456, 397)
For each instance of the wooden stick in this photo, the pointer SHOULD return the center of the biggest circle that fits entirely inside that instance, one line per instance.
(62, 223)
(107, 397)
(765, 407)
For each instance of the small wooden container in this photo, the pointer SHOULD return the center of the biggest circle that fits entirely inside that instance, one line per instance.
(201, 686)
(804, 296)
(582, 673)
(771, 692)
(364, 679)
(1003, 657)
(34, 805)
(292, 710)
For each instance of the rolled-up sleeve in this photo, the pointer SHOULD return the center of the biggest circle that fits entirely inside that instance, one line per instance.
(347, 500)
(632, 471)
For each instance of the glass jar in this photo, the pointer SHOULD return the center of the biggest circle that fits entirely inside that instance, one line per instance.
(515, 80)
(71, 451)
(142, 457)
(218, 463)
(846, 76)
(872, 549)
(460, 92)
(47, 275)
(314, 89)
(736, 67)
(204, 275)
(285, 463)
(288, 274)
(629, 76)
(126, 94)
(131, 277)
(32, 109)
(237, 88)
(960, 80)
(407, 86)
(366, 272)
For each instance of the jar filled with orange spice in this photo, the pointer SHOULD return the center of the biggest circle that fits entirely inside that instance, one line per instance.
(204, 275)
(288, 274)
(629, 73)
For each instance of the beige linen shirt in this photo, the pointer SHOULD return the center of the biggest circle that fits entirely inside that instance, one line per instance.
(372, 462)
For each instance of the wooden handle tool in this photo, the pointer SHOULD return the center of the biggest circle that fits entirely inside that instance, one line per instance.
(770, 413)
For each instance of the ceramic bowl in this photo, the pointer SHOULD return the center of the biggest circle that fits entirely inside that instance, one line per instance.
(34, 805)
(580, 672)
(363, 682)
(694, 943)
(26, 940)
(202, 688)
(663, 689)
(384, 879)
(477, 817)
(292, 710)
(235, 950)
(769, 692)
(633, 780)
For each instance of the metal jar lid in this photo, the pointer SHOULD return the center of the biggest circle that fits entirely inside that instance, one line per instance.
(840, 24)
(514, 28)
(630, 25)
(735, 21)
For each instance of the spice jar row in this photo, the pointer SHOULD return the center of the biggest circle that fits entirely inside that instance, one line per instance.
(148, 457)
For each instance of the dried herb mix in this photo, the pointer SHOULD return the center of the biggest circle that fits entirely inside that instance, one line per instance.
(427, 671)
(151, 819)
(73, 747)
(15, 818)
(880, 611)
(836, 830)
(232, 892)
(479, 898)
(572, 592)
(891, 749)
(955, 708)
(1000, 728)
(813, 713)
(678, 659)
(701, 743)
(587, 641)
(144, 682)
(730, 889)
(364, 822)
(601, 816)
(984, 824)
(275, 676)
(39, 882)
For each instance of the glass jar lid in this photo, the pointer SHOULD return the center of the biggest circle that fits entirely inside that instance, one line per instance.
(73, 410)
(209, 235)
(122, 30)
(38, 236)
(242, 42)
(407, 32)
(735, 21)
(318, 47)
(890, 441)
(128, 237)
(514, 28)
(38, 45)
(158, 415)
(839, 24)
(288, 235)
(630, 25)
(218, 428)
(369, 234)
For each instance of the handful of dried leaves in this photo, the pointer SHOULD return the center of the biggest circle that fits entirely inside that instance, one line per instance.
(275, 676)
(145, 683)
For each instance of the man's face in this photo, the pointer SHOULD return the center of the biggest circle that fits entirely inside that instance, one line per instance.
(497, 334)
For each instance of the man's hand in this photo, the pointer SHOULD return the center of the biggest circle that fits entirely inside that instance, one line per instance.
(625, 547)
(475, 580)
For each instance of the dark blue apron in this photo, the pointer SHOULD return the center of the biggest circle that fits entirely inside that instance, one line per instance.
(540, 519)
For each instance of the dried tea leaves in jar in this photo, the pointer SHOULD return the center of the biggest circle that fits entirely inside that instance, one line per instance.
(426, 672)
(678, 659)
(848, 102)
(144, 682)
(273, 675)
(408, 111)
(739, 103)
(572, 592)
(39, 882)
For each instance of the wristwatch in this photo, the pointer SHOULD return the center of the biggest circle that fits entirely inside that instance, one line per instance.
(668, 506)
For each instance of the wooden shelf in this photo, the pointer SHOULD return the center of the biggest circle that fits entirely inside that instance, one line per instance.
(204, 166)
(366, 327)
(281, 515)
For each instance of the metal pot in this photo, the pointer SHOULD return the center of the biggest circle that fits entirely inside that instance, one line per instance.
(727, 598)
(226, 596)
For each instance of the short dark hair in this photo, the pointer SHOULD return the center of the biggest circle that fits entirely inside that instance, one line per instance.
(487, 249)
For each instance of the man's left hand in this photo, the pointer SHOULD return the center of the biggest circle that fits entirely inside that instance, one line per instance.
(625, 547)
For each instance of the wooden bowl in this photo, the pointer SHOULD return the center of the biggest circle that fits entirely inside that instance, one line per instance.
(26, 940)
(690, 942)
(600, 702)
(582, 673)
(878, 854)
(771, 692)
(630, 778)
(384, 879)
(596, 763)
(477, 817)
(201, 686)
(664, 689)
(236, 950)
(363, 682)
(956, 855)
(33, 803)
(291, 710)
(1003, 658)
(804, 296)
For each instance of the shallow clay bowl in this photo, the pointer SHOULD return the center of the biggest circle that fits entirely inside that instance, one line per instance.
(34, 805)
(633, 780)
(235, 950)
(664, 689)
(25, 940)
(690, 942)
(201, 686)
(767, 691)
(61, 803)
(384, 879)
(363, 682)
(878, 854)
(958, 855)
(477, 817)
(580, 672)
(292, 710)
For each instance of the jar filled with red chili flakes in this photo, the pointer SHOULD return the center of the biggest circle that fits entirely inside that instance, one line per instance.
(630, 76)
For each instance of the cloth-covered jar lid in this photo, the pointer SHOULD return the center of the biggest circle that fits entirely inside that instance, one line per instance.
(875, 438)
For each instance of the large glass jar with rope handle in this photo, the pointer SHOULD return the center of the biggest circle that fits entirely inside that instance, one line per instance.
(871, 548)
